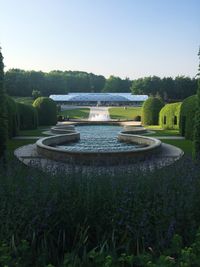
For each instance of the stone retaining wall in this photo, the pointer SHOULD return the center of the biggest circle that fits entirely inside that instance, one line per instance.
(45, 147)
(63, 129)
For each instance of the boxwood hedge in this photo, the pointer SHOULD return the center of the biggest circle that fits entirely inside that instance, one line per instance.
(28, 117)
(12, 117)
(47, 110)
(150, 111)
(169, 116)
(187, 117)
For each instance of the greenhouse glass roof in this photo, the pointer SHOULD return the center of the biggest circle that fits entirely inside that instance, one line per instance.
(99, 97)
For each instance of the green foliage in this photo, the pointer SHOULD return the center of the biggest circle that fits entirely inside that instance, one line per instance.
(24, 100)
(12, 117)
(36, 94)
(3, 115)
(197, 135)
(21, 83)
(147, 85)
(116, 84)
(28, 117)
(169, 116)
(73, 213)
(168, 88)
(47, 110)
(197, 121)
(187, 117)
(175, 256)
(150, 110)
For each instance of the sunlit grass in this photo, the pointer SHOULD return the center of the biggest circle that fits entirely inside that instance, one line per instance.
(158, 131)
(81, 113)
(127, 113)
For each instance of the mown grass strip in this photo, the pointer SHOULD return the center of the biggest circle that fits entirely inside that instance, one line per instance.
(125, 113)
(185, 145)
(81, 113)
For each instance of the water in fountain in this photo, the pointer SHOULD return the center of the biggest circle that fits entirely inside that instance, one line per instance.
(99, 117)
(99, 138)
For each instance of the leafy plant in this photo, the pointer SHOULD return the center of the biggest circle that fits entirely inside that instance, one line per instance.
(150, 111)
(86, 214)
(47, 110)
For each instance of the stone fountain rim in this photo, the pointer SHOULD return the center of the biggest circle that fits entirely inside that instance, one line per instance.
(155, 143)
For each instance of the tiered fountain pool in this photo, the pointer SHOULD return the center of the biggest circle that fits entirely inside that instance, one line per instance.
(105, 148)
(97, 145)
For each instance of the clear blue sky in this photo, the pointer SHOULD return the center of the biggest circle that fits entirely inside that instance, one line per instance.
(126, 38)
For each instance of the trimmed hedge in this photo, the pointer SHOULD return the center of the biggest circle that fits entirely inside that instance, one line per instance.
(187, 117)
(150, 110)
(169, 116)
(196, 151)
(3, 119)
(12, 117)
(28, 117)
(47, 110)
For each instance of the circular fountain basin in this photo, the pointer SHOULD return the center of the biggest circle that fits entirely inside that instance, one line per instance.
(63, 129)
(98, 147)
(134, 130)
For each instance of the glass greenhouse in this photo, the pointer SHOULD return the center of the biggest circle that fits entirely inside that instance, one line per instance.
(112, 99)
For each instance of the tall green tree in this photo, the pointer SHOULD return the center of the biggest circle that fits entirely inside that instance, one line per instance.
(168, 88)
(3, 119)
(117, 85)
(197, 120)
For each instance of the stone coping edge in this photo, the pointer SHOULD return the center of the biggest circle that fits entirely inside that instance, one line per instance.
(45, 148)
(63, 129)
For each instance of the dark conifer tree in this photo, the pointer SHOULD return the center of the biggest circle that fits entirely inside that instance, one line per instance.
(3, 119)
(197, 120)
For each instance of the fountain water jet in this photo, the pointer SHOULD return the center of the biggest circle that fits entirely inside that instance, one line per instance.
(99, 117)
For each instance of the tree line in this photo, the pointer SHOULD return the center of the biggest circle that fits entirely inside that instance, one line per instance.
(168, 88)
(22, 83)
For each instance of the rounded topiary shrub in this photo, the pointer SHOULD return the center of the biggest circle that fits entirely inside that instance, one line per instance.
(28, 117)
(150, 111)
(137, 118)
(47, 110)
(169, 116)
(187, 116)
(12, 117)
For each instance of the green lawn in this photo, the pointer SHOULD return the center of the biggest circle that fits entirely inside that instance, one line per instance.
(158, 131)
(125, 114)
(24, 100)
(81, 113)
(35, 132)
(14, 144)
(185, 145)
